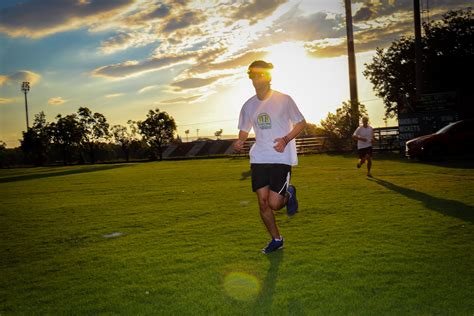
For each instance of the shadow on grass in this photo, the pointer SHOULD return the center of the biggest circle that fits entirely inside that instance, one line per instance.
(263, 304)
(446, 207)
(58, 173)
(456, 162)
(246, 174)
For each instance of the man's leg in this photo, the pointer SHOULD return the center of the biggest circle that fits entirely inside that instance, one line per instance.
(276, 201)
(266, 212)
(361, 158)
(369, 165)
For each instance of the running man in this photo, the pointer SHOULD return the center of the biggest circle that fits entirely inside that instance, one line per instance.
(364, 135)
(276, 121)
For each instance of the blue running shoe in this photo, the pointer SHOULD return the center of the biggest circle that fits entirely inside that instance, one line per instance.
(273, 245)
(292, 204)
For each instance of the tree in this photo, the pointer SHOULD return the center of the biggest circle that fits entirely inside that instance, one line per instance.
(311, 130)
(125, 137)
(67, 133)
(448, 54)
(338, 127)
(95, 129)
(36, 140)
(158, 129)
(3, 154)
(218, 134)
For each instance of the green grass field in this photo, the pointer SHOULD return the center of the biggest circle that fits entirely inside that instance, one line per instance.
(184, 238)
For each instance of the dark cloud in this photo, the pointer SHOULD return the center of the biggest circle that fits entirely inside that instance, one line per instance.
(183, 21)
(38, 18)
(143, 15)
(20, 76)
(365, 13)
(256, 10)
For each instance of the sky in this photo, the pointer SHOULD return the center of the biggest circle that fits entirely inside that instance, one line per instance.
(123, 58)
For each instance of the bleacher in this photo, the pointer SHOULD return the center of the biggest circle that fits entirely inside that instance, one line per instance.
(386, 139)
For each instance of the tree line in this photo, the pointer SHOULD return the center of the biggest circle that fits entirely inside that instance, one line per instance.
(80, 137)
(87, 137)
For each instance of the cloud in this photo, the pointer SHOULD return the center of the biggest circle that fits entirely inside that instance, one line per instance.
(6, 101)
(20, 76)
(364, 40)
(319, 25)
(194, 83)
(39, 18)
(183, 21)
(147, 88)
(256, 10)
(230, 63)
(114, 95)
(125, 40)
(370, 10)
(135, 68)
(148, 12)
(181, 99)
(56, 101)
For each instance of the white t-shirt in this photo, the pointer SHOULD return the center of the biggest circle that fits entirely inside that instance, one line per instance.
(271, 118)
(367, 133)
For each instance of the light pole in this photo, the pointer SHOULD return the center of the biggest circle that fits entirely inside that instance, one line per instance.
(418, 51)
(25, 87)
(352, 66)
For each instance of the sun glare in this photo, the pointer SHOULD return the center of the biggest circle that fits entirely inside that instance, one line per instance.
(316, 85)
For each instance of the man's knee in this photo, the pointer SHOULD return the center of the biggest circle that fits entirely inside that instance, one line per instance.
(276, 204)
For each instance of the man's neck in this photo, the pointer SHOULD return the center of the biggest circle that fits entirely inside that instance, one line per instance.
(263, 93)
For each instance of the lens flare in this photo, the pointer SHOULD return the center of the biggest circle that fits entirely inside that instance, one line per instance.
(241, 286)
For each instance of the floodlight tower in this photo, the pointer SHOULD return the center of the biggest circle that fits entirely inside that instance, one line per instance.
(25, 87)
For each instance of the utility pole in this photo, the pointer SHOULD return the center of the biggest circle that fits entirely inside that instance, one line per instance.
(25, 87)
(352, 66)
(418, 52)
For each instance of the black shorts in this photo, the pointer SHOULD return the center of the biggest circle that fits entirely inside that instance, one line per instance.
(364, 152)
(274, 175)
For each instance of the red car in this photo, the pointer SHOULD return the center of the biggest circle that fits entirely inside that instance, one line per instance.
(454, 138)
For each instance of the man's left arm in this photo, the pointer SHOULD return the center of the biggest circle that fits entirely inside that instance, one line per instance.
(283, 141)
(373, 137)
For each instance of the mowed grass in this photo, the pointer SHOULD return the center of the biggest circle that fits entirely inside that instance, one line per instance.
(184, 238)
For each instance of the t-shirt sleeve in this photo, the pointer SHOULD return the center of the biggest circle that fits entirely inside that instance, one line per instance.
(356, 132)
(293, 111)
(245, 122)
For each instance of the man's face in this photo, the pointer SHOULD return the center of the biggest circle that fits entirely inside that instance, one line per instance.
(260, 77)
(365, 121)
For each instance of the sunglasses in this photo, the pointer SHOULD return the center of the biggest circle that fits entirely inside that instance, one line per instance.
(256, 75)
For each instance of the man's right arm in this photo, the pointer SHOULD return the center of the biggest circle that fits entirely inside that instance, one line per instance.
(355, 136)
(239, 144)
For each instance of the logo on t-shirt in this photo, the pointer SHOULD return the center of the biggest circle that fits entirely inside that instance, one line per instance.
(264, 121)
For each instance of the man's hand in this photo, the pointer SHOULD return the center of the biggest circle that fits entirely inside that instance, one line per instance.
(280, 144)
(239, 145)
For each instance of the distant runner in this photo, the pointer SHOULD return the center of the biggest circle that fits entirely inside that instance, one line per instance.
(364, 135)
